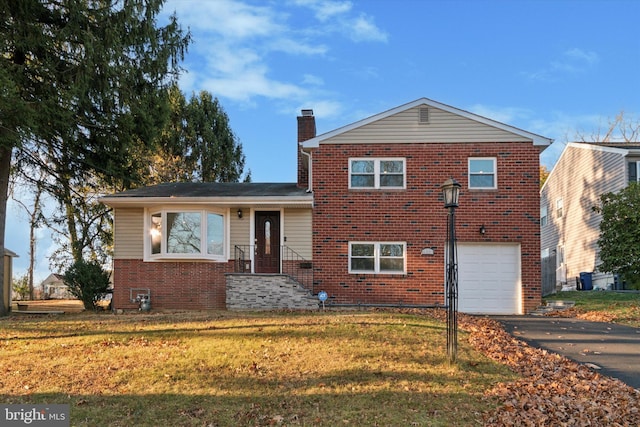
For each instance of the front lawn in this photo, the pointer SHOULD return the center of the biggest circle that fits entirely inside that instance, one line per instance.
(618, 307)
(249, 369)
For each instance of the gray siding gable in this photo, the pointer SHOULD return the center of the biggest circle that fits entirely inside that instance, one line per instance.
(445, 124)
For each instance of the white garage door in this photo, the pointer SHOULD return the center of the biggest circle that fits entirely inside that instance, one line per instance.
(489, 279)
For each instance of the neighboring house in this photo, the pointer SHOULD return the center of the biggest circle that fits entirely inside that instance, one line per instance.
(53, 287)
(569, 226)
(365, 222)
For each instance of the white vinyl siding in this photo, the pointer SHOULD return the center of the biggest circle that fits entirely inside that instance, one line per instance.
(128, 235)
(297, 231)
(240, 227)
(443, 127)
(588, 171)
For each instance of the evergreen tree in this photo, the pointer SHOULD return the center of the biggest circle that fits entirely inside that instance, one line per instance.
(82, 90)
(197, 143)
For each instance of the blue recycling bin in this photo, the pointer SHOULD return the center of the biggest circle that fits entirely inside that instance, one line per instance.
(586, 281)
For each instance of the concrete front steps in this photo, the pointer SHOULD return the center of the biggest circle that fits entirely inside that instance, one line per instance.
(267, 292)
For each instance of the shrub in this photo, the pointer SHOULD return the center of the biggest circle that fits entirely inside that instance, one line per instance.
(87, 281)
(21, 287)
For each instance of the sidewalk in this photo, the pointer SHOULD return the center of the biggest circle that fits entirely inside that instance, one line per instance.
(610, 349)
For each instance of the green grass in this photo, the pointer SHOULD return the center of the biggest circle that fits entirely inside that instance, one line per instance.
(623, 307)
(251, 369)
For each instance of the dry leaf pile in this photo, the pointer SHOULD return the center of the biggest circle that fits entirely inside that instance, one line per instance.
(554, 390)
(594, 316)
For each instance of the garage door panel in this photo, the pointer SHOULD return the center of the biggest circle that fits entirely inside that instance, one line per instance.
(489, 279)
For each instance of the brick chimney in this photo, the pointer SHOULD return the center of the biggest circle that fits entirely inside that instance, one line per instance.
(306, 130)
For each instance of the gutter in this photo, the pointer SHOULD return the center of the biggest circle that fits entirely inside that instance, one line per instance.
(310, 183)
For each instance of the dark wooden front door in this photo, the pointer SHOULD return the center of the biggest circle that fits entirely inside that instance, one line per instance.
(267, 251)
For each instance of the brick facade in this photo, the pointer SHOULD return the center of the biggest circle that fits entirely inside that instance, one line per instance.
(173, 285)
(417, 216)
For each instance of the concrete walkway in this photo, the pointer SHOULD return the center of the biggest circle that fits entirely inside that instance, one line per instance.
(612, 350)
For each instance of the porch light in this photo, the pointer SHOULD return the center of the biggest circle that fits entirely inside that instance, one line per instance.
(240, 213)
(450, 192)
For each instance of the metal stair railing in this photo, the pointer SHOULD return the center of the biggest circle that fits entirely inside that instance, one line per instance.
(292, 264)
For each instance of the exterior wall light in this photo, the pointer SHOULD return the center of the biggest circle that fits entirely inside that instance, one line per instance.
(240, 213)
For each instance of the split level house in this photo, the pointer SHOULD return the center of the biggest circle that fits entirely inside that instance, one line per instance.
(365, 222)
(569, 225)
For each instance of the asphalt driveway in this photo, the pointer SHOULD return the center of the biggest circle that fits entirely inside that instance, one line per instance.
(613, 350)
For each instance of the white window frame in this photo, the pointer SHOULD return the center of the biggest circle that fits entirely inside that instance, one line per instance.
(377, 256)
(493, 173)
(559, 207)
(203, 254)
(376, 172)
(544, 216)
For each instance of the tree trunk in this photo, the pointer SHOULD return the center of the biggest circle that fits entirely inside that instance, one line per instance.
(5, 163)
(32, 238)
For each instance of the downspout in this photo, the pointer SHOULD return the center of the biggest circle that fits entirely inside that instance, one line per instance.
(310, 179)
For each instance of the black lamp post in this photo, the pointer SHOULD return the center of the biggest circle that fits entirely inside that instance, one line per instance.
(451, 192)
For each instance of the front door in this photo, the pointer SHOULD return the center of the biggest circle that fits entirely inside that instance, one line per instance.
(267, 251)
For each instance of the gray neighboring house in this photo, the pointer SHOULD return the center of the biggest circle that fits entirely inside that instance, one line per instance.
(569, 227)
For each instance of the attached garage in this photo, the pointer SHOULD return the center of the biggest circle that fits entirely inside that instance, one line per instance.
(489, 279)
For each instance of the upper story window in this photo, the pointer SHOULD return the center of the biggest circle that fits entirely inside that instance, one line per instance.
(377, 173)
(175, 234)
(482, 173)
(559, 207)
(377, 257)
(544, 216)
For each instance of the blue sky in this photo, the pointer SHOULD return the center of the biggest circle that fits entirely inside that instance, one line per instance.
(557, 68)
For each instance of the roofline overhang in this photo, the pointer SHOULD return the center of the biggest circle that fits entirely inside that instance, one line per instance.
(537, 140)
(302, 201)
(618, 149)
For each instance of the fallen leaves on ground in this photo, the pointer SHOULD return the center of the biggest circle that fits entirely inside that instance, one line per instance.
(553, 390)
(594, 316)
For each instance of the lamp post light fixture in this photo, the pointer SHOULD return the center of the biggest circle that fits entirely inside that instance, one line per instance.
(451, 192)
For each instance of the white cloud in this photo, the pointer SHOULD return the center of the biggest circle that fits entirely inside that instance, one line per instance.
(572, 61)
(234, 44)
(324, 9)
(364, 29)
(582, 55)
(230, 18)
(506, 115)
(310, 79)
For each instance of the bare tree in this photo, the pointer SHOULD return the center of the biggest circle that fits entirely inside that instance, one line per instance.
(35, 220)
(621, 129)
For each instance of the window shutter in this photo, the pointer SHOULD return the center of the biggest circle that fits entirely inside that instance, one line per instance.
(633, 172)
